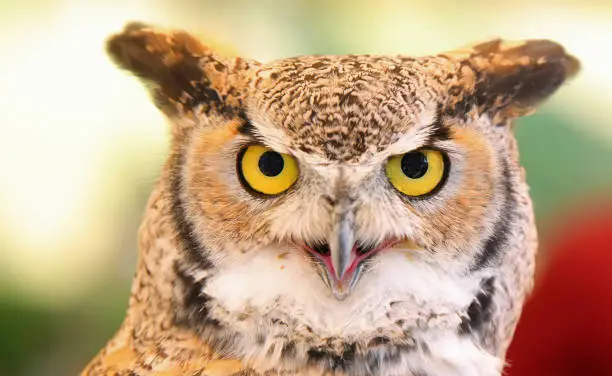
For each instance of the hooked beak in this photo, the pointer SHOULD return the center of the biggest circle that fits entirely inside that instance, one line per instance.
(341, 243)
(342, 257)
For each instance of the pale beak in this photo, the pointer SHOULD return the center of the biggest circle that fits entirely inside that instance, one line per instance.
(341, 243)
(341, 257)
(344, 268)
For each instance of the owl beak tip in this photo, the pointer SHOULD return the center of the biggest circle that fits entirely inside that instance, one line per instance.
(340, 290)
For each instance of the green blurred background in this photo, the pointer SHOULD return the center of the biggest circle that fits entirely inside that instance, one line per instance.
(81, 145)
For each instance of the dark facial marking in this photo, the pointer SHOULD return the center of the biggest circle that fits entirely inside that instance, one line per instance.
(195, 302)
(437, 130)
(194, 308)
(321, 248)
(247, 129)
(501, 230)
(195, 251)
(480, 310)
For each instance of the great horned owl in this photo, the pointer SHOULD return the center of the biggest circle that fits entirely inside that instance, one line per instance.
(346, 215)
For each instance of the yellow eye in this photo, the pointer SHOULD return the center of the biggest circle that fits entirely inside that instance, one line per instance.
(266, 171)
(418, 172)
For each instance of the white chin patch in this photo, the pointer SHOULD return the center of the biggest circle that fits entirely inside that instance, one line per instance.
(399, 285)
(273, 297)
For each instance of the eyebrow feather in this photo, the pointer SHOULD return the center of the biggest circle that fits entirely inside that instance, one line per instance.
(248, 129)
(437, 131)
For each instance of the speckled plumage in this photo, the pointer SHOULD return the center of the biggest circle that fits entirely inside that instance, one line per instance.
(221, 286)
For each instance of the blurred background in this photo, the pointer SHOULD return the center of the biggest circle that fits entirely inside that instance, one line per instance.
(81, 144)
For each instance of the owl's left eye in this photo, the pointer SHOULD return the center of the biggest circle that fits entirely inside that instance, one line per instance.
(266, 171)
(418, 172)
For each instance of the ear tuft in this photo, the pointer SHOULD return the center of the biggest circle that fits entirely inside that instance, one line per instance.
(182, 74)
(513, 78)
(528, 52)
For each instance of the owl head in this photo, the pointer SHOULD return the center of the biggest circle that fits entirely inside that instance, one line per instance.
(355, 214)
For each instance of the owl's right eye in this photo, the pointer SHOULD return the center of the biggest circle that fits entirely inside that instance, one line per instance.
(266, 171)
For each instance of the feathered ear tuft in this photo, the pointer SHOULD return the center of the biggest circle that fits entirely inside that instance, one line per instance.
(513, 78)
(184, 76)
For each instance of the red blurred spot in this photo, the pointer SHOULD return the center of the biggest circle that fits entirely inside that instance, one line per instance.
(566, 327)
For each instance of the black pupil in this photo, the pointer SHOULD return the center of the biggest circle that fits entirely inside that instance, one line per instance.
(271, 163)
(414, 164)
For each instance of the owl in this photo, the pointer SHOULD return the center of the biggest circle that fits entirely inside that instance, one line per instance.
(332, 215)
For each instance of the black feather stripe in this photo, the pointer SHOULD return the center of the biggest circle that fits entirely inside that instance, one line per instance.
(195, 251)
(480, 310)
(501, 230)
(195, 301)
